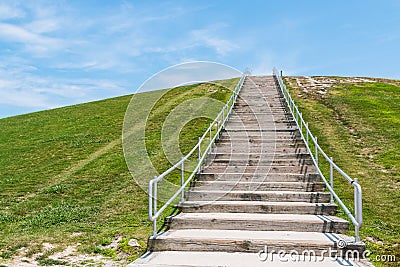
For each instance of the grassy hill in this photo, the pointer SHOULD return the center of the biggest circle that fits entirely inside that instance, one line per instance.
(357, 120)
(64, 180)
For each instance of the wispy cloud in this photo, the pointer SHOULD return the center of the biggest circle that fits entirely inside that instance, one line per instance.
(211, 38)
(10, 11)
(21, 88)
(42, 26)
(32, 41)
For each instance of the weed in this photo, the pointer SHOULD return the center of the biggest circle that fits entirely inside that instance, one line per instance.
(105, 252)
(34, 249)
(55, 189)
(8, 252)
(44, 260)
(61, 213)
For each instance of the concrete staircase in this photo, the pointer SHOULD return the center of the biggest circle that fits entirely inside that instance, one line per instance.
(258, 190)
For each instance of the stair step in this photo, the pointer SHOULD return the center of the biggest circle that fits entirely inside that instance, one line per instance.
(260, 141)
(221, 168)
(260, 104)
(253, 177)
(254, 123)
(272, 138)
(259, 149)
(261, 186)
(255, 91)
(277, 156)
(283, 157)
(249, 147)
(266, 140)
(237, 259)
(271, 129)
(261, 125)
(262, 161)
(257, 97)
(259, 135)
(264, 111)
(259, 109)
(286, 196)
(259, 222)
(262, 146)
(246, 111)
(248, 241)
(261, 99)
(258, 129)
(258, 117)
(269, 96)
(267, 207)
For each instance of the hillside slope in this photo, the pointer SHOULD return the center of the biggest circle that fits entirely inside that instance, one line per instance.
(64, 183)
(357, 120)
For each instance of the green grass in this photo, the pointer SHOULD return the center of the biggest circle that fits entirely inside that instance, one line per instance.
(63, 172)
(359, 125)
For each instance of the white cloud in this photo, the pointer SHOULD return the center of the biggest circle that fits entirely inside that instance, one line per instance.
(19, 86)
(10, 11)
(210, 39)
(33, 42)
(26, 99)
(43, 26)
(11, 93)
(189, 42)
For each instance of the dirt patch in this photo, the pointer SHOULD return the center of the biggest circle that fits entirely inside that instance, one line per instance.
(318, 86)
(51, 255)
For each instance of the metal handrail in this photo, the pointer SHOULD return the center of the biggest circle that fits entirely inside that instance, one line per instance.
(219, 122)
(294, 110)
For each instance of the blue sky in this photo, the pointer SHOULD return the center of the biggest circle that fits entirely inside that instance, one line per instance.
(57, 53)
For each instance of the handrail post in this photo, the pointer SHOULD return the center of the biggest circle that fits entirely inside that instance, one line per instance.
(217, 133)
(316, 152)
(226, 115)
(223, 117)
(210, 132)
(293, 105)
(199, 157)
(307, 132)
(301, 123)
(151, 199)
(155, 207)
(183, 180)
(357, 208)
(155, 227)
(357, 233)
(331, 177)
